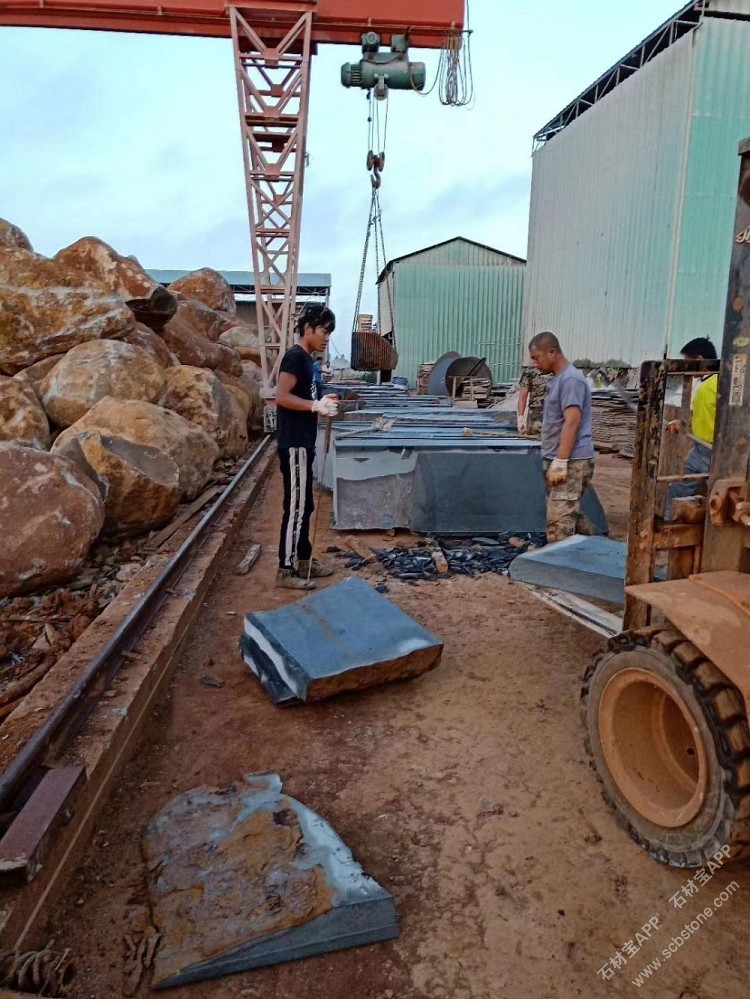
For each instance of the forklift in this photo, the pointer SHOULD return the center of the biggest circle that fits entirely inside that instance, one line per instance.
(666, 705)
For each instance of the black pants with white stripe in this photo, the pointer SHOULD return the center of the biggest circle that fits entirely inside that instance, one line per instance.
(296, 469)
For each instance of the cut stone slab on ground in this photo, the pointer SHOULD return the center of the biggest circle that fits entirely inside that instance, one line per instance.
(591, 567)
(345, 637)
(245, 877)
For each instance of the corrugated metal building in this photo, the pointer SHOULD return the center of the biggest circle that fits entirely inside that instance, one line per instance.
(633, 193)
(457, 295)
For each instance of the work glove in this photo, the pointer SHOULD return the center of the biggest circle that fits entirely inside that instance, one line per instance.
(557, 473)
(521, 423)
(325, 407)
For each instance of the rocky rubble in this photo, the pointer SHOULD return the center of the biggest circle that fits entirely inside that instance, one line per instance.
(434, 559)
(118, 395)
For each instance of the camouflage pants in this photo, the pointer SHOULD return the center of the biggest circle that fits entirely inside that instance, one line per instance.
(534, 425)
(564, 517)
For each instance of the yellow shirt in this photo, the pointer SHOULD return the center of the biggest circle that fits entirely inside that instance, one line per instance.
(704, 410)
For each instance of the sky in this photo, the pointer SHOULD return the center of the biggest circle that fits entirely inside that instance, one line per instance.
(135, 139)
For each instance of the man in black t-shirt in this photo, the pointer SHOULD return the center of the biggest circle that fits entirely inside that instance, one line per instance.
(298, 406)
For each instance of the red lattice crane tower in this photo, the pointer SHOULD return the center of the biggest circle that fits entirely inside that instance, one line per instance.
(274, 41)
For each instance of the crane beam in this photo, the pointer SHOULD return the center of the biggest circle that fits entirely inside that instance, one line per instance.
(334, 21)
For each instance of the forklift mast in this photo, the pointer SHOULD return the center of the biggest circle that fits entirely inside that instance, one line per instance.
(727, 538)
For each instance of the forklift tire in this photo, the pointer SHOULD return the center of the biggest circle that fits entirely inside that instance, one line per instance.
(669, 739)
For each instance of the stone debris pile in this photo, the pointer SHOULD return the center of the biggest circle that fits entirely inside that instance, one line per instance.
(437, 558)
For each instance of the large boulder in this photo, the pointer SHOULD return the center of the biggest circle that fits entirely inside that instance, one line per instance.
(191, 448)
(45, 308)
(194, 349)
(22, 418)
(91, 371)
(204, 320)
(140, 485)
(199, 396)
(250, 382)
(50, 514)
(35, 374)
(244, 340)
(147, 299)
(144, 337)
(13, 238)
(209, 287)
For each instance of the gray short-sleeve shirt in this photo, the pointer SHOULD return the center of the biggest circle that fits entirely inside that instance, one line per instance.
(568, 388)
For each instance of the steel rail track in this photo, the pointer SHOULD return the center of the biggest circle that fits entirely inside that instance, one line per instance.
(72, 711)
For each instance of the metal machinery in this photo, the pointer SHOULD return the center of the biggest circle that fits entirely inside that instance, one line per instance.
(667, 704)
(274, 41)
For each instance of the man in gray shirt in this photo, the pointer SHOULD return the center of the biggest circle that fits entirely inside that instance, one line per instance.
(567, 445)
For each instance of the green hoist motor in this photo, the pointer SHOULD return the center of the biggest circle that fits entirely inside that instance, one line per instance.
(383, 71)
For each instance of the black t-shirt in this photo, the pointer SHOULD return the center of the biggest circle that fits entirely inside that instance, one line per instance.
(298, 429)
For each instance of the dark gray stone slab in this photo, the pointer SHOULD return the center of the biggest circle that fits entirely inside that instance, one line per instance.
(344, 637)
(246, 876)
(591, 567)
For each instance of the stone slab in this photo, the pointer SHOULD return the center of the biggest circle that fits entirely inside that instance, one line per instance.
(244, 877)
(344, 637)
(590, 567)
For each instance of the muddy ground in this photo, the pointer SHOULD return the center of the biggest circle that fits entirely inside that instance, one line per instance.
(467, 793)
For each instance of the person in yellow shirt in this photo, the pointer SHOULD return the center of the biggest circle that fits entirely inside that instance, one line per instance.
(702, 424)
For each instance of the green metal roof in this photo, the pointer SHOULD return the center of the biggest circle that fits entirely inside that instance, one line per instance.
(243, 282)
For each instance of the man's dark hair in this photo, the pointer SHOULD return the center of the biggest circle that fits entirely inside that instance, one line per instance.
(545, 341)
(316, 315)
(700, 347)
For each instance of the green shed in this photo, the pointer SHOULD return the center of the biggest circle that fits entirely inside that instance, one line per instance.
(456, 295)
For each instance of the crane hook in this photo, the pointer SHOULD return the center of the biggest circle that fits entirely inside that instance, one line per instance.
(375, 165)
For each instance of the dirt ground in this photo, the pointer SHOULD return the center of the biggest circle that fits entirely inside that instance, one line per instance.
(467, 793)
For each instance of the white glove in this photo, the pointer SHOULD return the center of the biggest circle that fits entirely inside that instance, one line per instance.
(557, 473)
(325, 406)
(521, 423)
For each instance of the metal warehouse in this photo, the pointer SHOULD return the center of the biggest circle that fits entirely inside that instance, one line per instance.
(633, 193)
(457, 295)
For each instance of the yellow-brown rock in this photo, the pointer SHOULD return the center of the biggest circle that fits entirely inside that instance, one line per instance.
(22, 418)
(250, 382)
(204, 320)
(50, 514)
(244, 340)
(13, 238)
(199, 396)
(91, 371)
(35, 374)
(144, 337)
(140, 485)
(147, 299)
(194, 349)
(192, 449)
(209, 287)
(46, 308)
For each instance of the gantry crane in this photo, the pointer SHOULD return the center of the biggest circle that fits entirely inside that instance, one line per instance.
(274, 41)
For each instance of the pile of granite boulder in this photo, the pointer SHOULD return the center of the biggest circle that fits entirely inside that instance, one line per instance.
(117, 396)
